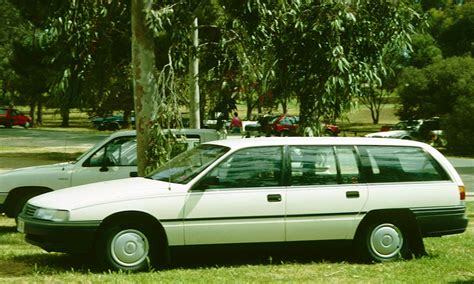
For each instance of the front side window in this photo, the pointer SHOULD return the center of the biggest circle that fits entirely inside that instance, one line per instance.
(184, 167)
(396, 164)
(119, 152)
(249, 168)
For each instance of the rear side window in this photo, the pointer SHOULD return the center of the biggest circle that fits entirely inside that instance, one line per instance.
(399, 164)
(322, 165)
(313, 165)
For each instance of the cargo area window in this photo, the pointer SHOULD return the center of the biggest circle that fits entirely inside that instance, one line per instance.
(400, 164)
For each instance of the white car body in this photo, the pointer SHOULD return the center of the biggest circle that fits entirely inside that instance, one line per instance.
(18, 185)
(191, 214)
(395, 134)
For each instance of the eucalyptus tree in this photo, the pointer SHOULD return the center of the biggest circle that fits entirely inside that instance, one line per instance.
(322, 52)
(334, 48)
(86, 46)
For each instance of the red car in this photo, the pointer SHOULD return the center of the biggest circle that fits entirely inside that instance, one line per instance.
(287, 125)
(10, 117)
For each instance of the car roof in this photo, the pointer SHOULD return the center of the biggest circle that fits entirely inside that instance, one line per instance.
(278, 141)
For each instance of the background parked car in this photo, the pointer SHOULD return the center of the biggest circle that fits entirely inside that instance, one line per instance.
(112, 123)
(113, 158)
(425, 130)
(283, 125)
(10, 117)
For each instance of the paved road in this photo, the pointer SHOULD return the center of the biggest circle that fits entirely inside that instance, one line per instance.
(76, 141)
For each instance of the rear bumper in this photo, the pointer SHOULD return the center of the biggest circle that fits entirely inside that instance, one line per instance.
(435, 222)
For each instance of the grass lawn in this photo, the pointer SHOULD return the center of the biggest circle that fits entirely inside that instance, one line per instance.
(450, 259)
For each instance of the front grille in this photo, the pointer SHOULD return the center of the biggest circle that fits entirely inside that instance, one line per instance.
(29, 210)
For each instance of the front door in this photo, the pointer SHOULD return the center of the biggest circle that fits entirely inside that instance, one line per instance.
(244, 203)
(115, 160)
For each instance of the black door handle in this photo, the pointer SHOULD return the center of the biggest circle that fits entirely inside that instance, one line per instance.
(133, 174)
(352, 194)
(274, 198)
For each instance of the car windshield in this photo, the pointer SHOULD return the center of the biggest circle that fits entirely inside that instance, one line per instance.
(189, 164)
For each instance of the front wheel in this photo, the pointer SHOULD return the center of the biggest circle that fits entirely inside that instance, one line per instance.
(126, 247)
(383, 241)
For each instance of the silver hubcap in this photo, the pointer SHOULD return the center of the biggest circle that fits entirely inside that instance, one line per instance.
(129, 247)
(386, 241)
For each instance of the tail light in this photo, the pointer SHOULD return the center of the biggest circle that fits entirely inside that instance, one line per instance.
(462, 193)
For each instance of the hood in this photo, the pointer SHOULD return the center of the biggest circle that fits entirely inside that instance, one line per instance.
(389, 134)
(104, 192)
(43, 168)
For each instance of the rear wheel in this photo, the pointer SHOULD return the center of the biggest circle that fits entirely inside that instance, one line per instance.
(381, 241)
(127, 247)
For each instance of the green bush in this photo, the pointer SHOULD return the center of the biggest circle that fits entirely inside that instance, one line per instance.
(459, 128)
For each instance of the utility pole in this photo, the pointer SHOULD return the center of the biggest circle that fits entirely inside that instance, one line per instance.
(194, 105)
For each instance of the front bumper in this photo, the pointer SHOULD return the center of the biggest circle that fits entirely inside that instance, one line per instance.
(68, 237)
(436, 222)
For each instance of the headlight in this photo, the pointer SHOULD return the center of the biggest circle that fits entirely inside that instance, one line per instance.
(52, 214)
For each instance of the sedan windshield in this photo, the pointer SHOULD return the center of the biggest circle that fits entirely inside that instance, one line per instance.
(189, 164)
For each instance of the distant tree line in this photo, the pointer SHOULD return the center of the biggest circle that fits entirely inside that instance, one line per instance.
(439, 77)
(327, 55)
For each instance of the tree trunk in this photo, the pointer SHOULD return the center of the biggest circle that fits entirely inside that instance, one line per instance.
(143, 64)
(39, 114)
(32, 114)
(64, 116)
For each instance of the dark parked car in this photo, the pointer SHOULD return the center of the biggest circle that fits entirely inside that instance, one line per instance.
(10, 117)
(112, 123)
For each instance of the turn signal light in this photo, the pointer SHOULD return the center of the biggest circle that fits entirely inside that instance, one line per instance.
(462, 193)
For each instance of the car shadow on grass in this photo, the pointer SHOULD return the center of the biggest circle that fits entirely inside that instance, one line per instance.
(244, 255)
(7, 229)
(53, 263)
(197, 258)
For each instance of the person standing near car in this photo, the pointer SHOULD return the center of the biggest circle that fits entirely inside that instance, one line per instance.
(236, 123)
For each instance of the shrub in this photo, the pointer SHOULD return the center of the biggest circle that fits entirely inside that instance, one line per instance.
(459, 128)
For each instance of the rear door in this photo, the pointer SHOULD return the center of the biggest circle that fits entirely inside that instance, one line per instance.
(326, 193)
(244, 201)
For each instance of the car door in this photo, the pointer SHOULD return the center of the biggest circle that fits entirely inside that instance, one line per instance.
(326, 193)
(115, 160)
(239, 201)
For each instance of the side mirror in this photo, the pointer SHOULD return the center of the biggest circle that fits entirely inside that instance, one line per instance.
(206, 183)
(105, 164)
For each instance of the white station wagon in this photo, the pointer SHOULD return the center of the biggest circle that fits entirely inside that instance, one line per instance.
(383, 195)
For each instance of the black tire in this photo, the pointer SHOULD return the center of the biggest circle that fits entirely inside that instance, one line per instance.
(113, 127)
(127, 247)
(20, 203)
(383, 241)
